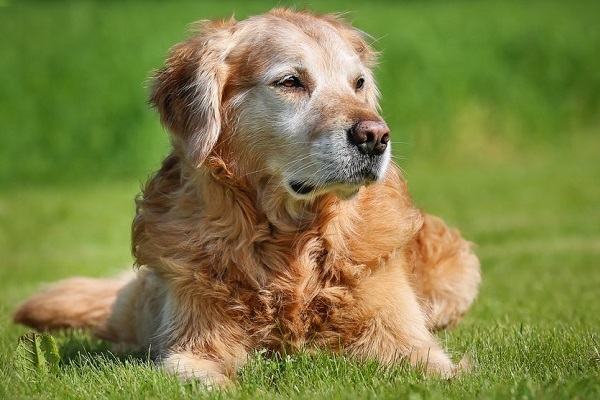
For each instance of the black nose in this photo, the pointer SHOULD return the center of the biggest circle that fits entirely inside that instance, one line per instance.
(370, 137)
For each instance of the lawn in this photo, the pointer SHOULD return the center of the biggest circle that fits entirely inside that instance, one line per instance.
(495, 111)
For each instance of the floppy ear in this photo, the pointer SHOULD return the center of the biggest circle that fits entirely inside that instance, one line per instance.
(187, 91)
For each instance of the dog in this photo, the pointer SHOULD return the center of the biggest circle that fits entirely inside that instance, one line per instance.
(278, 220)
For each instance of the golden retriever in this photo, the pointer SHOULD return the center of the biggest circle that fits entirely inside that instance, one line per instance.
(277, 222)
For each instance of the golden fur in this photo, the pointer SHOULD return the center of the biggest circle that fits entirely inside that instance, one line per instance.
(231, 257)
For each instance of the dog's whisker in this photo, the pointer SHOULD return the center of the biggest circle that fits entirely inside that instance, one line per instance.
(286, 169)
(398, 143)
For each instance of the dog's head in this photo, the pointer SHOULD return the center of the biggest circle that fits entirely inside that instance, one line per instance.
(288, 96)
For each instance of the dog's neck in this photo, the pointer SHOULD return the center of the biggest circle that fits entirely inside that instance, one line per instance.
(263, 197)
(216, 212)
(254, 228)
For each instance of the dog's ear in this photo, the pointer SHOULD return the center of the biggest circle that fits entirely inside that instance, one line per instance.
(187, 91)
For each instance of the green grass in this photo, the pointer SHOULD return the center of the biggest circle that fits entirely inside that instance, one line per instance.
(495, 109)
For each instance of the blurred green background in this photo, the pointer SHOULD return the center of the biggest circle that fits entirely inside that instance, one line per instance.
(462, 81)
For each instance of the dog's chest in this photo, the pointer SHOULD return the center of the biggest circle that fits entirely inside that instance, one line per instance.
(300, 312)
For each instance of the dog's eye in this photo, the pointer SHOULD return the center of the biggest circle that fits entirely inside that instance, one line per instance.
(360, 83)
(291, 82)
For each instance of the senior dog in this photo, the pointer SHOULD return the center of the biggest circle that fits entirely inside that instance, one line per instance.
(277, 222)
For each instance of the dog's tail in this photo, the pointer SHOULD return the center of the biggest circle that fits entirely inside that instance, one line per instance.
(72, 303)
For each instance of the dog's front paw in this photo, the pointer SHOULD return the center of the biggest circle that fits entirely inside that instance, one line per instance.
(188, 366)
(434, 362)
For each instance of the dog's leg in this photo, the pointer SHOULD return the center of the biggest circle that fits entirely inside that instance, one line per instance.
(198, 339)
(133, 318)
(446, 272)
(189, 365)
(212, 366)
(396, 326)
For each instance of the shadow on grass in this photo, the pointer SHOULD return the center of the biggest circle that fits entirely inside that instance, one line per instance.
(79, 348)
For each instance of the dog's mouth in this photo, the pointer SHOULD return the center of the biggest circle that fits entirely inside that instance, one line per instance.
(302, 188)
(343, 181)
(343, 190)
